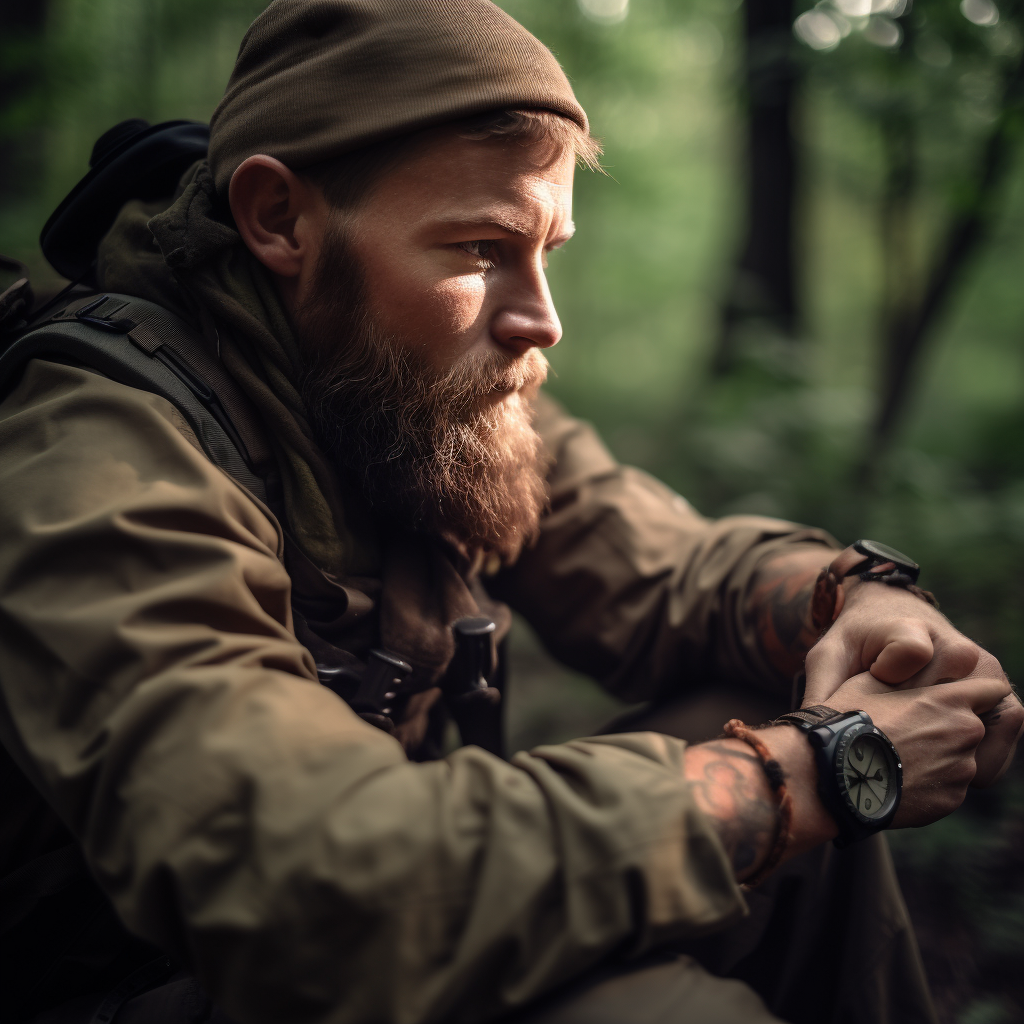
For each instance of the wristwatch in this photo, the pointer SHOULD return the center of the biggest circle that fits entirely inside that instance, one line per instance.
(871, 561)
(860, 776)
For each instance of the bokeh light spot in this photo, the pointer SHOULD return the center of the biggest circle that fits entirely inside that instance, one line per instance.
(883, 31)
(817, 30)
(980, 12)
(606, 11)
(894, 8)
(854, 8)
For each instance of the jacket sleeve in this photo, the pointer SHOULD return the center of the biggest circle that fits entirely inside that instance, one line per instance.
(629, 584)
(239, 814)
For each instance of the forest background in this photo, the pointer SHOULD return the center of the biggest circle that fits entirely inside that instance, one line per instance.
(796, 292)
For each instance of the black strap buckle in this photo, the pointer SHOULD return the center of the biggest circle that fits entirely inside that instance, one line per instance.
(104, 324)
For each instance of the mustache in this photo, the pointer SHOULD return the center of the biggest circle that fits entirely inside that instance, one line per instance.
(460, 388)
(493, 372)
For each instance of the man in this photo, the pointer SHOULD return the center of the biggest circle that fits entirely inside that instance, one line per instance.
(364, 254)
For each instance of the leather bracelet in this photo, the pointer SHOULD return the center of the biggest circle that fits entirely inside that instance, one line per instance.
(737, 730)
(867, 560)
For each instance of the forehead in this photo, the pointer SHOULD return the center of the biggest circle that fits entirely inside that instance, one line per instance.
(453, 179)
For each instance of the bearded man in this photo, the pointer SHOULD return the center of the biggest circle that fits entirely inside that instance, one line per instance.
(360, 263)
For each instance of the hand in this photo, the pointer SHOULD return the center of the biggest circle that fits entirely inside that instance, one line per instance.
(939, 732)
(903, 643)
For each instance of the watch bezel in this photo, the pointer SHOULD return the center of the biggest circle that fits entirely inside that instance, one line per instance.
(843, 741)
(881, 553)
(826, 738)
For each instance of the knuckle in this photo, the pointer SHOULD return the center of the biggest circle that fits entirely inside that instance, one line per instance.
(972, 730)
(965, 772)
(905, 628)
(988, 665)
(961, 656)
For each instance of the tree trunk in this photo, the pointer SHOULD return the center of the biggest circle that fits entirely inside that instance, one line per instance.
(19, 19)
(763, 285)
(907, 333)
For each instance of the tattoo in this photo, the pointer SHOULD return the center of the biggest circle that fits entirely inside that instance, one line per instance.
(731, 788)
(780, 608)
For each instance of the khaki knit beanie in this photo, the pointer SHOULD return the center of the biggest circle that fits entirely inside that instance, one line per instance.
(318, 78)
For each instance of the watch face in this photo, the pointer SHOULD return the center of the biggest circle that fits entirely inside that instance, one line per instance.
(869, 772)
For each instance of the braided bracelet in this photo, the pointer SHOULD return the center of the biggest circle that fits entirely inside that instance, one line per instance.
(735, 729)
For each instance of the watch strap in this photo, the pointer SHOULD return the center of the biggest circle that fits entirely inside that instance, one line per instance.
(806, 719)
(872, 562)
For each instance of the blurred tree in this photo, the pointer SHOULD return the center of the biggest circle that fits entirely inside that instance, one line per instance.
(908, 317)
(21, 23)
(762, 285)
(943, 84)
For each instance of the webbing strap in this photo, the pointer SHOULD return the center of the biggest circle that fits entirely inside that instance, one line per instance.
(151, 327)
(96, 332)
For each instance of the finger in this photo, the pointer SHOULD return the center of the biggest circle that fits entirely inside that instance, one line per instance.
(955, 657)
(904, 647)
(1003, 727)
(980, 695)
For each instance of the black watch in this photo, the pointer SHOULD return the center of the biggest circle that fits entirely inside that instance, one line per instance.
(860, 777)
(879, 554)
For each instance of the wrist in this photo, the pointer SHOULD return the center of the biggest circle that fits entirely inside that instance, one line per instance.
(864, 561)
(779, 605)
(811, 824)
(731, 788)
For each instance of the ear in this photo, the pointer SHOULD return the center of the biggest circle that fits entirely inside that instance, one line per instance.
(277, 214)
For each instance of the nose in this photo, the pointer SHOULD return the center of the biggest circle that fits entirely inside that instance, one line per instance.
(527, 319)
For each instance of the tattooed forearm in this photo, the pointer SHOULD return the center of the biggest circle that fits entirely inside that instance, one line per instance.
(779, 607)
(730, 787)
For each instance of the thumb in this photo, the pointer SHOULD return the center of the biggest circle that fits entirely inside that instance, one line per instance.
(897, 650)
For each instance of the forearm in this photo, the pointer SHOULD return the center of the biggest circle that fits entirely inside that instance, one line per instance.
(779, 605)
(629, 584)
(731, 787)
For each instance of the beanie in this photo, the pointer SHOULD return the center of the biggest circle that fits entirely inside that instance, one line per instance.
(318, 78)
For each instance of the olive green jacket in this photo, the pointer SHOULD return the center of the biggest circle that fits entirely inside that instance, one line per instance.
(241, 816)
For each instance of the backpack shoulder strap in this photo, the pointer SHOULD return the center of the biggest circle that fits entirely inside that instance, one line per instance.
(143, 345)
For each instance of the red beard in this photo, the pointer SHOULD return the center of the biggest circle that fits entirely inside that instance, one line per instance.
(452, 454)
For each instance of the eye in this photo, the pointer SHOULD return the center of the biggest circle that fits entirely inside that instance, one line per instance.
(481, 248)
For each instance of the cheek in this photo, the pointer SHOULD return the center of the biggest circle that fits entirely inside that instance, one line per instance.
(459, 304)
(420, 309)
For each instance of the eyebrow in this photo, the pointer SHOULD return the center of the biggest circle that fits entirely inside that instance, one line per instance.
(495, 220)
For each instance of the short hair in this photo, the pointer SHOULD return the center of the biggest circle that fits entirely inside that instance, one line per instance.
(345, 180)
